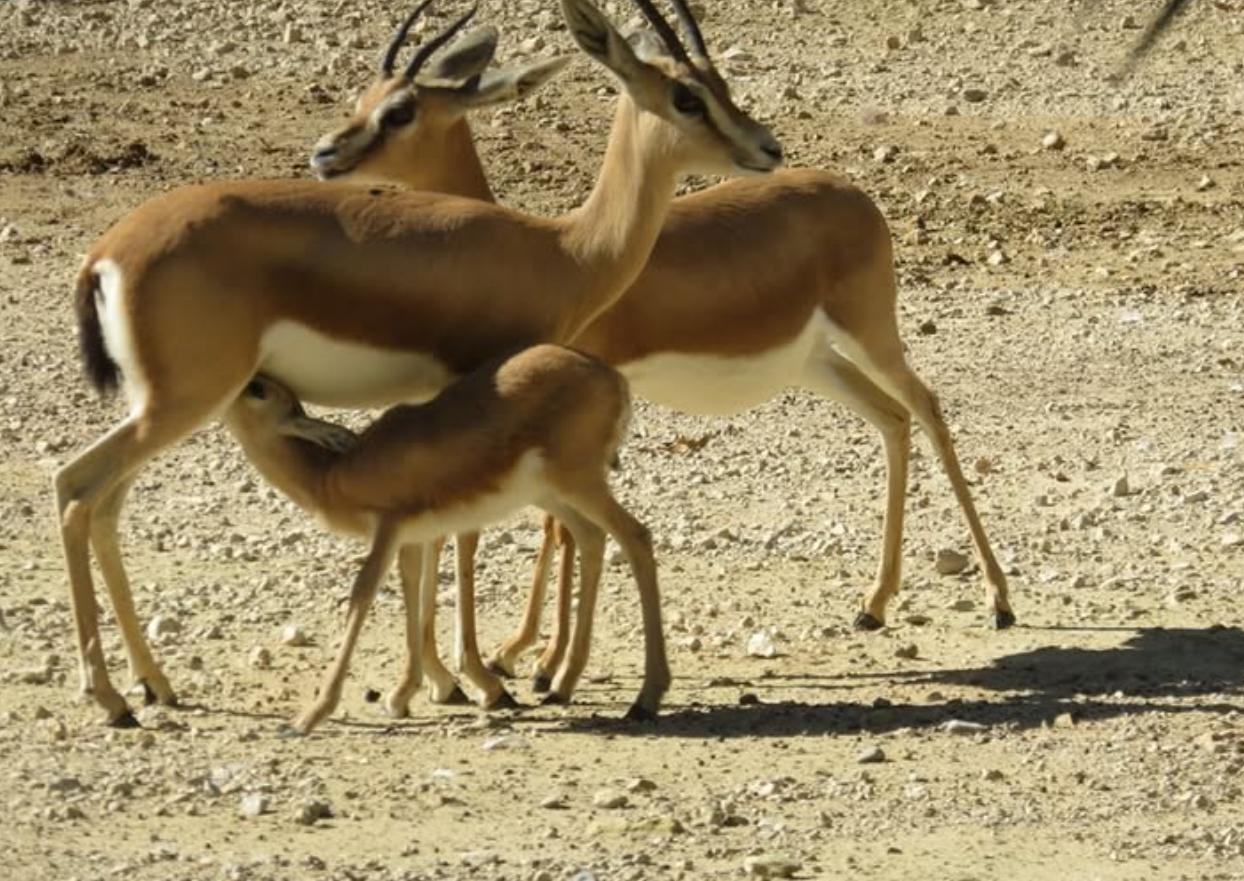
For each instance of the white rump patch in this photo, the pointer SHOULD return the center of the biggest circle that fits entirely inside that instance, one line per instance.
(335, 373)
(718, 385)
(118, 335)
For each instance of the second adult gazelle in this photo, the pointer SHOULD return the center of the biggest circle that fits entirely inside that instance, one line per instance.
(754, 286)
(351, 296)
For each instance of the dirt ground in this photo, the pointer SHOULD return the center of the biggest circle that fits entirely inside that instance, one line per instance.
(1070, 248)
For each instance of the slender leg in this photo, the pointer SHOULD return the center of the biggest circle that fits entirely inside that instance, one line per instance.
(84, 484)
(505, 658)
(442, 687)
(410, 567)
(833, 376)
(551, 658)
(591, 542)
(379, 559)
(902, 383)
(492, 693)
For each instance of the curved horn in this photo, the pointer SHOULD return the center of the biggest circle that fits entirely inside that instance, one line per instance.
(690, 27)
(389, 57)
(663, 29)
(426, 50)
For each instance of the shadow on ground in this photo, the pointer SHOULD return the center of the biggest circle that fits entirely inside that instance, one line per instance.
(1204, 669)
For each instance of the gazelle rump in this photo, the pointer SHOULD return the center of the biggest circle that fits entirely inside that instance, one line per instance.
(539, 428)
(754, 285)
(352, 297)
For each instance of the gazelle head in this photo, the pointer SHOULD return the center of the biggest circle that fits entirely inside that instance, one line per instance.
(403, 123)
(267, 411)
(707, 131)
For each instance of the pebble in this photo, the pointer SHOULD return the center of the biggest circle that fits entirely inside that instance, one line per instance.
(1064, 720)
(260, 658)
(871, 755)
(964, 605)
(610, 799)
(504, 741)
(885, 153)
(950, 562)
(974, 95)
(1121, 488)
(640, 784)
(766, 866)
(760, 645)
(960, 726)
(294, 636)
(1053, 140)
(554, 802)
(909, 651)
(1205, 183)
(311, 811)
(253, 805)
(161, 626)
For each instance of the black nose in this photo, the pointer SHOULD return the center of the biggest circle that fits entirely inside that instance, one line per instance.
(773, 151)
(323, 154)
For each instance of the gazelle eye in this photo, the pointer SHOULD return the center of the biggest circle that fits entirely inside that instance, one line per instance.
(398, 115)
(688, 102)
(256, 390)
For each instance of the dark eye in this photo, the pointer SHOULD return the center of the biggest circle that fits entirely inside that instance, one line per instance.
(398, 115)
(688, 102)
(256, 390)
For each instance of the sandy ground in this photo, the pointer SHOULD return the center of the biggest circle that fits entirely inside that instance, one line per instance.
(1076, 301)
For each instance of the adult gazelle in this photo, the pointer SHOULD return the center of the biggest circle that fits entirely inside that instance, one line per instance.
(353, 297)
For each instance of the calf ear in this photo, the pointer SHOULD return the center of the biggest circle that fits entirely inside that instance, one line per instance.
(466, 58)
(510, 83)
(600, 39)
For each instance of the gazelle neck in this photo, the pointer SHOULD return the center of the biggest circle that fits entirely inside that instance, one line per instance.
(611, 235)
(469, 178)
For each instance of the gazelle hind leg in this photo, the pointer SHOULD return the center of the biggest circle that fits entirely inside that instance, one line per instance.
(105, 542)
(442, 686)
(590, 539)
(597, 504)
(555, 651)
(379, 559)
(504, 659)
(900, 381)
(410, 570)
(493, 695)
(833, 376)
(82, 485)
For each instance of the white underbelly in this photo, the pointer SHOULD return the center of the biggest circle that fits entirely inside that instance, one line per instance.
(524, 485)
(720, 385)
(334, 373)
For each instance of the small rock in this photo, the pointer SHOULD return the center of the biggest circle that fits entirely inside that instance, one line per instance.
(960, 726)
(950, 562)
(253, 805)
(974, 95)
(872, 755)
(963, 605)
(294, 636)
(640, 784)
(1053, 140)
(162, 625)
(311, 811)
(505, 741)
(554, 802)
(770, 867)
(927, 328)
(610, 799)
(1205, 183)
(909, 651)
(885, 153)
(918, 620)
(1121, 488)
(760, 645)
(992, 775)
(1064, 720)
(260, 658)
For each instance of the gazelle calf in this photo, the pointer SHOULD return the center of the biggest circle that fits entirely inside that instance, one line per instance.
(353, 297)
(539, 428)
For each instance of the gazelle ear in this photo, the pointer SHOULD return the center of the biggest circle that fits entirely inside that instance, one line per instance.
(466, 58)
(328, 435)
(600, 39)
(510, 83)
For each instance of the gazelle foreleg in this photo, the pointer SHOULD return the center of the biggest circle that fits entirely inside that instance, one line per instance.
(410, 570)
(442, 686)
(379, 560)
(466, 644)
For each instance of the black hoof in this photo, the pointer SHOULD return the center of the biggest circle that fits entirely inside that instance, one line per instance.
(541, 683)
(498, 669)
(865, 621)
(150, 698)
(125, 720)
(1003, 620)
(553, 699)
(457, 698)
(640, 714)
(504, 701)
(289, 732)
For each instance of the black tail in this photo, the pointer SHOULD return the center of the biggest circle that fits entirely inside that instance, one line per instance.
(101, 371)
